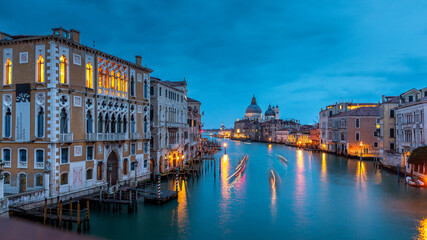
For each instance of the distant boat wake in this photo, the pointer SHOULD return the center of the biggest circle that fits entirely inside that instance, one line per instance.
(239, 169)
(282, 158)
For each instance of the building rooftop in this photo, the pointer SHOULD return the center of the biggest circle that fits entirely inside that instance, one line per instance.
(362, 111)
(192, 100)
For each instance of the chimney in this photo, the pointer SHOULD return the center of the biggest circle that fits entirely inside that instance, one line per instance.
(2, 36)
(383, 98)
(138, 60)
(75, 35)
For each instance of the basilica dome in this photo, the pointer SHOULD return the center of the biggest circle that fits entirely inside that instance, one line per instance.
(253, 108)
(269, 112)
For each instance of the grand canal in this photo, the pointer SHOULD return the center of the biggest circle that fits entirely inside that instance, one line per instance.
(313, 196)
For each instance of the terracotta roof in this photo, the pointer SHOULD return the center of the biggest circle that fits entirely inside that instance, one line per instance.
(362, 111)
(192, 100)
(395, 99)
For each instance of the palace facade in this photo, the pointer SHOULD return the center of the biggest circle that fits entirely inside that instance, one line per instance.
(72, 117)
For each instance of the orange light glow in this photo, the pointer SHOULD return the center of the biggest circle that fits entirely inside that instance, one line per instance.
(89, 75)
(63, 70)
(40, 69)
(225, 144)
(422, 229)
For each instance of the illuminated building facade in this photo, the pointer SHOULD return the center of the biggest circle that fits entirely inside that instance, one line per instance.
(169, 127)
(73, 117)
(194, 132)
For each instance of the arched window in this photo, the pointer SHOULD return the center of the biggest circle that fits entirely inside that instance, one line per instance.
(132, 86)
(106, 79)
(132, 124)
(125, 83)
(64, 179)
(40, 69)
(89, 122)
(118, 82)
(145, 125)
(8, 72)
(89, 75)
(145, 89)
(119, 124)
(22, 156)
(63, 70)
(125, 124)
(6, 178)
(63, 123)
(106, 124)
(100, 82)
(40, 123)
(125, 166)
(113, 80)
(6, 156)
(100, 122)
(113, 124)
(7, 125)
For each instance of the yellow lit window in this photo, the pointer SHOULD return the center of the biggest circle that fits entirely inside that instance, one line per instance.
(100, 77)
(125, 83)
(8, 72)
(89, 75)
(112, 80)
(40, 69)
(63, 70)
(119, 82)
(106, 79)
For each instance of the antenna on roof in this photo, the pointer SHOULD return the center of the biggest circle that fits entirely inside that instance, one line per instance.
(93, 43)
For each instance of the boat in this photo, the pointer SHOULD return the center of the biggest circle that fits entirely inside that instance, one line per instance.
(414, 182)
(240, 168)
(274, 178)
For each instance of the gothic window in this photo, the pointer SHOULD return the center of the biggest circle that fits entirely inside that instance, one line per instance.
(40, 69)
(7, 123)
(106, 79)
(89, 122)
(125, 83)
(63, 123)
(113, 80)
(100, 123)
(40, 123)
(145, 89)
(100, 77)
(132, 86)
(113, 124)
(125, 124)
(8, 72)
(89, 75)
(107, 123)
(119, 124)
(63, 70)
(132, 124)
(119, 85)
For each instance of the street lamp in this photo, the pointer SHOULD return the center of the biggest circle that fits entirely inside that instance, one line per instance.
(361, 151)
(225, 148)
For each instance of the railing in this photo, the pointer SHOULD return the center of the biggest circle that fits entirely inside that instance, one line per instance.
(66, 137)
(134, 135)
(4, 205)
(26, 197)
(111, 136)
(91, 136)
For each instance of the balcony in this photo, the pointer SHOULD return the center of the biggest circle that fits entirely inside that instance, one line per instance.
(134, 136)
(111, 136)
(91, 136)
(65, 137)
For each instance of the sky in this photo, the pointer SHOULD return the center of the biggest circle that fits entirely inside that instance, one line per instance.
(301, 55)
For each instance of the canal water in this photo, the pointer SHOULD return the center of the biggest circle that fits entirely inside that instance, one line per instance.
(312, 196)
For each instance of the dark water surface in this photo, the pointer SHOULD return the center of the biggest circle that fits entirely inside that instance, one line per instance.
(315, 196)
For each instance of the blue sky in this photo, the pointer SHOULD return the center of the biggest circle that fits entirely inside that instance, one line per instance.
(299, 54)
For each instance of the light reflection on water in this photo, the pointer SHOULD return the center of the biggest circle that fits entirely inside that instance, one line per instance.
(322, 196)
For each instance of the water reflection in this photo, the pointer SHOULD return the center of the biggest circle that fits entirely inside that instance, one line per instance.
(300, 194)
(182, 208)
(274, 180)
(422, 230)
(323, 170)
